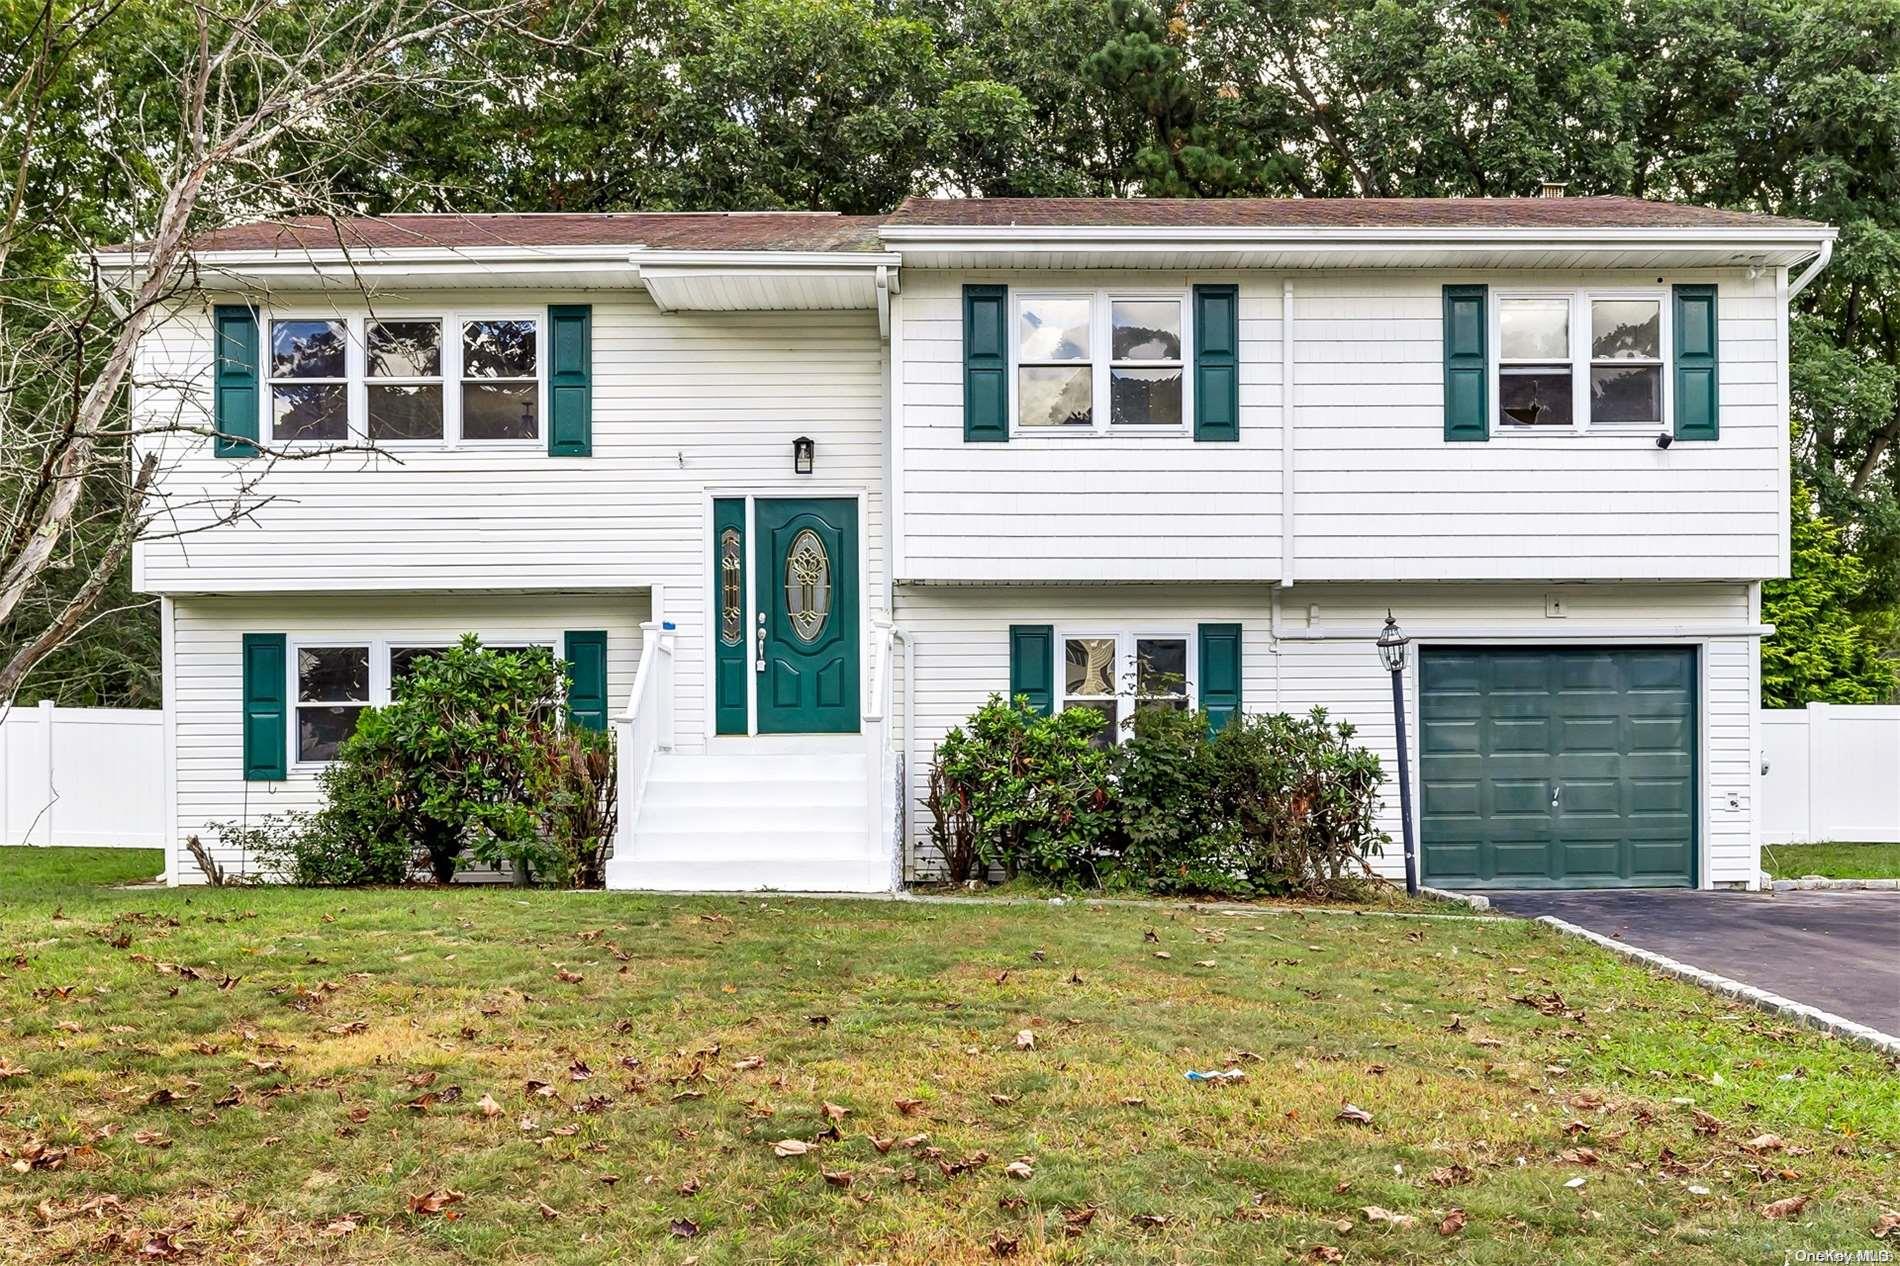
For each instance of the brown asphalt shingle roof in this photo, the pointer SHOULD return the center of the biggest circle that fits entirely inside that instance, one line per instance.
(660, 230)
(1422, 213)
(824, 231)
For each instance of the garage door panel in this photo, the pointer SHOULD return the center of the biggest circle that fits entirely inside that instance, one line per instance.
(1611, 731)
(1446, 736)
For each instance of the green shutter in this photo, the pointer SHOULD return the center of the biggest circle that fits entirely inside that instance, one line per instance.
(1467, 367)
(266, 733)
(985, 364)
(1698, 407)
(732, 668)
(234, 388)
(571, 381)
(1216, 363)
(1032, 665)
(586, 655)
(1220, 674)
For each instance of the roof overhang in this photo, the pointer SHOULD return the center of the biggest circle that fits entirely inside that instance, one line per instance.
(1182, 247)
(678, 281)
(768, 281)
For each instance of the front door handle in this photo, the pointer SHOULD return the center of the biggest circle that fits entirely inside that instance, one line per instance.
(758, 660)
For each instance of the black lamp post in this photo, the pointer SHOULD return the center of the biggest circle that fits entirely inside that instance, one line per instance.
(1392, 643)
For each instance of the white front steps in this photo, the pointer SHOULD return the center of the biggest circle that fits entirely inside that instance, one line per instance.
(789, 814)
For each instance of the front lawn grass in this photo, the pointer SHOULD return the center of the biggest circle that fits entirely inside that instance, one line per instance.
(1832, 861)
(286, 1076)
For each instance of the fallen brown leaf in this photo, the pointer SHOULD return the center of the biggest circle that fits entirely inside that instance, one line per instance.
(791, 1147)
(1785, 1208)
(1452, 1222)
(434, 1201)
(1353, 1113)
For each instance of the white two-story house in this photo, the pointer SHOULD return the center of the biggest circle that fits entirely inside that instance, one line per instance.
(795, 493)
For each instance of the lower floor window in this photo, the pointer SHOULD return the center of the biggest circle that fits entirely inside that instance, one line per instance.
(336, 680)
(333, 688)
(1116, 674)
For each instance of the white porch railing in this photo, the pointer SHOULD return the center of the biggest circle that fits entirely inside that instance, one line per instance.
(880, 805)
(646, 728)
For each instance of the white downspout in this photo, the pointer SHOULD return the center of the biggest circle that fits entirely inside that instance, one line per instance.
(1813, 270)
(1286, 433)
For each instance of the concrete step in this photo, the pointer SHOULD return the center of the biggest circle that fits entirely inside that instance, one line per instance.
(752, 874)
(753, 812)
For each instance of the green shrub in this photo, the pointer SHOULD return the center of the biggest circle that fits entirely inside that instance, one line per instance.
(1031, 792)
(1272, 804)
(583, 805)
(309, 849)
(469, 759)
(1302, 801)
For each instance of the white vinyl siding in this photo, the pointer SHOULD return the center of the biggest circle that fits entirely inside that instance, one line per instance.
(207, 691)
(683, 402)
(1060, 504)
(1380, 495)
(961, 637)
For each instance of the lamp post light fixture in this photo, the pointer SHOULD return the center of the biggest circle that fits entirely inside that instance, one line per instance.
(803, 455)
(1392, 643)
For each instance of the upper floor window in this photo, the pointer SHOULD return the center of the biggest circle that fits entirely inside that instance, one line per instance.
(405, 380)
(1577, 360)
(309, 380)
(439, 378)
(1100, 361)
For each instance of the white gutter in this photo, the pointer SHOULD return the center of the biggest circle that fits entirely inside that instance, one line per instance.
(1813, 270)
(1356, 236)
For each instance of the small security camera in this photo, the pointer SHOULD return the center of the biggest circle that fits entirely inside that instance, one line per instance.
(1665, 440)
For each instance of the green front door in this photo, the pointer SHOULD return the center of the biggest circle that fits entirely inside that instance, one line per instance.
(1542, 768)
(807, 617)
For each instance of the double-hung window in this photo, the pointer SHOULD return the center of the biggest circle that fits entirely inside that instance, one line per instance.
(309, 380)
(334, 679)
(1100, 362)
(333, 688)
(501, 386)
(393, 377)
(1115, 674)
(1579, 360)
(404, 380)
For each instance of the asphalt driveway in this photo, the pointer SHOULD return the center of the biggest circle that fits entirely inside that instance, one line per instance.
(1839, 951)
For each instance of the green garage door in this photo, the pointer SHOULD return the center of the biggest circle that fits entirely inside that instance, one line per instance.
(1557, 768)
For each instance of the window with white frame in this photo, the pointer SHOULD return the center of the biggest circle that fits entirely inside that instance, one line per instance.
(1117, 674)
(334, 679)
(1577, 360)
(501, 393)
(403, 373)
(1100, 361)
(333, 688)
(395, 377)
(309, 380)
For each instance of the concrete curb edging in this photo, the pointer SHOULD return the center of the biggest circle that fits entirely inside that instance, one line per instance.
(1819, 883)
(1471, 899)
(1788, 1008)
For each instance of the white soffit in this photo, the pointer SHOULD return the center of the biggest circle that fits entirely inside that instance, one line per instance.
(763, 281)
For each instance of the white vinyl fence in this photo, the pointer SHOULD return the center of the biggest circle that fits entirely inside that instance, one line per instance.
(1831, 771)
(83, 776)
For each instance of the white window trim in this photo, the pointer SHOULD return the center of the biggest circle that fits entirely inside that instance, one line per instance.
(356, 365)
(379, 684)
(1101, 346)
(1580, 298)
(1125, 636)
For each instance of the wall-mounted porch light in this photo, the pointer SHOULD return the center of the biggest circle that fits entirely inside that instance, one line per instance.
(804, 455)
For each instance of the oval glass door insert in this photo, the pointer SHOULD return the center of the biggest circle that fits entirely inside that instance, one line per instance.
(807, 585)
